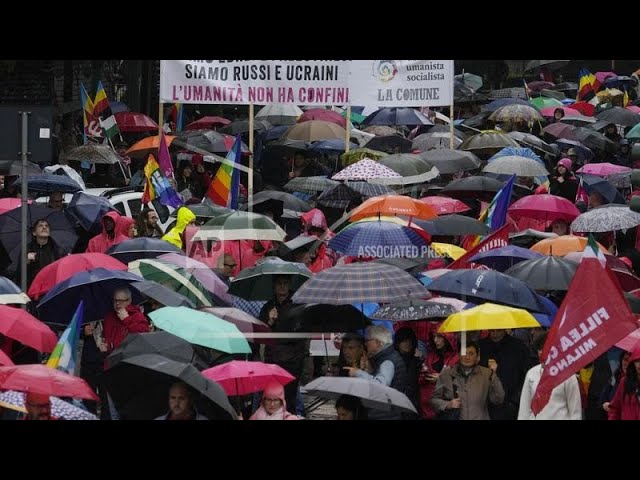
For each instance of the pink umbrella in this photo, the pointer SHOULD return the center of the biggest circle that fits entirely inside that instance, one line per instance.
(7, 204)
(203, 273)
(207, 123)
(242, 378)
(67, 267)
(603, 169)
(540, 85)
(20, 325)
(633, 108)
(45, 381)
(561, 130)
(629, 342)
(569, 112)
(544, 207)
(323, 114)
(445, 205)
(602, 76)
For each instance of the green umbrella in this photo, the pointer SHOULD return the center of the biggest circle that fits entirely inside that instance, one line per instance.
(240, 226)
(256, 283)
(201, 328)
(634, 132)
(354, 117)
(177, 279)
(545, 102)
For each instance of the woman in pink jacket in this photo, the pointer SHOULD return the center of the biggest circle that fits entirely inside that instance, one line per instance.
(273, 405)
(625, 404)
(442, 353)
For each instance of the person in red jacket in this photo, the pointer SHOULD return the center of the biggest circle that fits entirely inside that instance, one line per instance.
(442, 353)
(125, 318)
(38, 407)
(109, 235)
(625, 404)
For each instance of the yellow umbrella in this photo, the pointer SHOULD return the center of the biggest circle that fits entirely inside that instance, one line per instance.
(452, 251)
(488, 316)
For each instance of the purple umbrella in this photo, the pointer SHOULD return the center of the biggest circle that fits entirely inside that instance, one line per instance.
(203, 273)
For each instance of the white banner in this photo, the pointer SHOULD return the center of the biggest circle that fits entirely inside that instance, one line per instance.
(401, 83)
(262, 82)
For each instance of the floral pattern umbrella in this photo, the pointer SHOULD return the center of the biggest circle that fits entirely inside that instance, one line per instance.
(365, 169)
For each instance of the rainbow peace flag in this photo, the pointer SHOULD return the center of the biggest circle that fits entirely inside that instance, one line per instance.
(225, 186)
(158, 186)
(63, 356)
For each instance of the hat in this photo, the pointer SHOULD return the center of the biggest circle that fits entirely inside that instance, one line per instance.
(572, 151)
(565, 162)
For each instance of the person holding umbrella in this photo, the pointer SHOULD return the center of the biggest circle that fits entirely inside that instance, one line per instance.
(181, 404)
(564, 184)
(125, 318)
(273, 405)
(349, 407)
(42, 250)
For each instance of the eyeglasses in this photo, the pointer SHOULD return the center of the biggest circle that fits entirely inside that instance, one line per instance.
(120, 300)
(272, 400)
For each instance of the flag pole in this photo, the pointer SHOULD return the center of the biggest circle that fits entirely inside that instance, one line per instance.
(250, 176)
(347, 140)
(451, 125)
(160, 117)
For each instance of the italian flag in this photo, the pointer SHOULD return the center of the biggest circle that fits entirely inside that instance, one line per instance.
(593, 251)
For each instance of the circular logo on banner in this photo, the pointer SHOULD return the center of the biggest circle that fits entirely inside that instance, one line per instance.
(384, 70)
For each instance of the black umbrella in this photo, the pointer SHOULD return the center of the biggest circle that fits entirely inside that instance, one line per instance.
(410, 265)
(593, 183)
(143, 247)
(47, 183)
(389, 143)
(471, 187)
(139, 387)
(14, 167)
(594, 140)
(88, 211)
(11, 227)
(299, 242)
(397, 116)
(550, 64)
(413, 310)
(326, 318)
(633, 301)
(480, 286)
(453, 225)
(451, 161)
(548, 273)
(243, 126)
(207, 140)
(619, 116)
(162, 294)
(289, 201)
(529, 140)
(160, 343)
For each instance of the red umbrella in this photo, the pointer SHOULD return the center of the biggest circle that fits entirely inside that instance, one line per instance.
(19, 325)
(445, 205)
(4, 359)
(568, 111)
(242, 378)
(323, 114)
(584, 108)
(135, 122)
(68, 266)
(44, 381)
(207, 123)
(544, 207)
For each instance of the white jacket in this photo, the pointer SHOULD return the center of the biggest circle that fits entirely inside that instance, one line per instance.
(564, 404)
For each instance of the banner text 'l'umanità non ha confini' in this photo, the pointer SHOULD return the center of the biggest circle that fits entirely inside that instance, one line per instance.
(262, 82)
(382, 83)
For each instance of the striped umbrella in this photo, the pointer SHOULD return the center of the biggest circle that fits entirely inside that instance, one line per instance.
(178, 279)
(360, 283)
(310, 185)
(342, 195)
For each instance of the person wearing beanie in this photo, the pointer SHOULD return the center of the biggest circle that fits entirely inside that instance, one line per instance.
(564, 184)
(273, 405)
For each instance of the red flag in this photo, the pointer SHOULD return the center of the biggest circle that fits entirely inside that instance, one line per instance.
(498, 239)
(592, 318)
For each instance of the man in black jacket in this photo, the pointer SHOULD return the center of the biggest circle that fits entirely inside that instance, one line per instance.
(41, 251)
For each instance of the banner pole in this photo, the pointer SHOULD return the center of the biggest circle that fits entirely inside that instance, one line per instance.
(250, 179)
(348, 129)
(160, 118)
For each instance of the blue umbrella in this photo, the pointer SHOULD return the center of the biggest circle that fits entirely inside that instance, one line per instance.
(481, 286)
(593, 183)
(118, 107)
(95, 287)
(520, 152)
(139, 248)
(88, 211)
(334, 145)
(48, 183)
(501, 259)
(377, 239)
